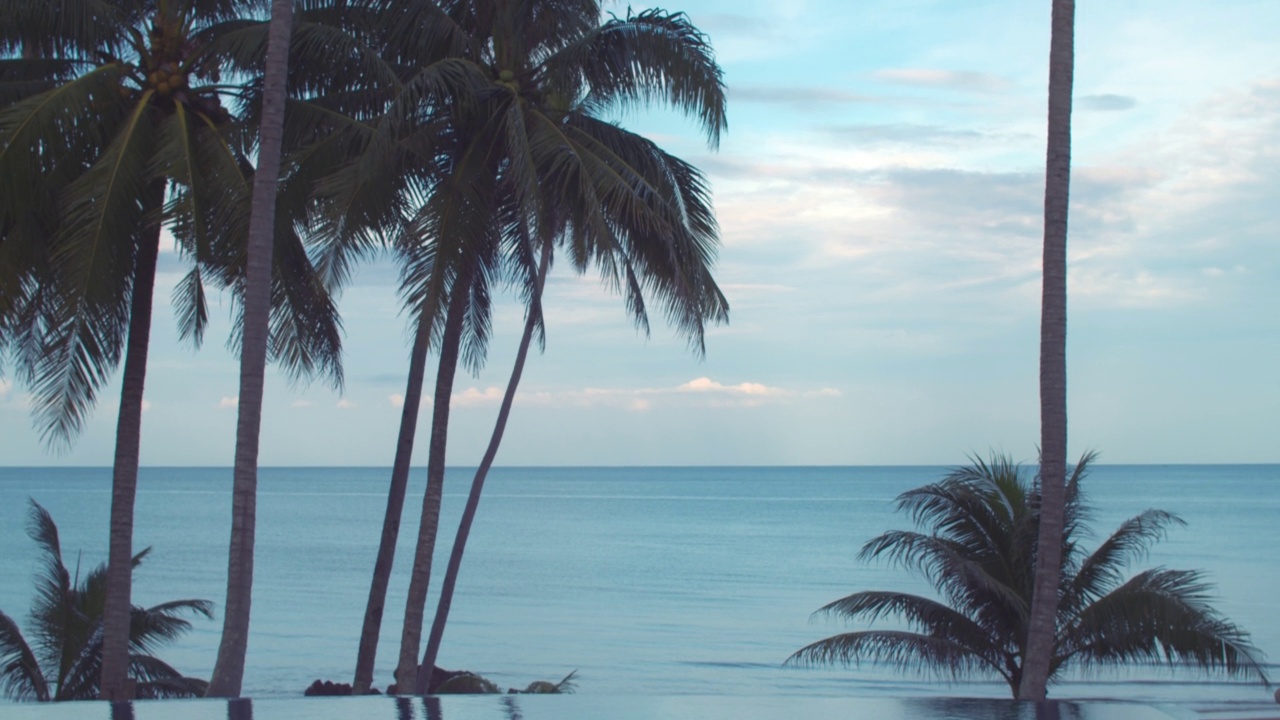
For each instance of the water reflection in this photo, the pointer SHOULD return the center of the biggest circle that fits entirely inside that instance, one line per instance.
(512, 708)
(585, 708)
(1048, 710)
(434, 711)
(240, 709)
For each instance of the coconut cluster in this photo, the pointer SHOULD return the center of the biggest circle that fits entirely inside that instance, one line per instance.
(167, 79)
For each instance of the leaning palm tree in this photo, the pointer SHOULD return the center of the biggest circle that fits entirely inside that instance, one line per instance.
(610, 197)
(66, 621)
(979, 549)
(1053, 347)
(111, 127)
(511, 159)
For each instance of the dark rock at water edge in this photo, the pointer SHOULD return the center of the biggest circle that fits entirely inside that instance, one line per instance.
(328, 688)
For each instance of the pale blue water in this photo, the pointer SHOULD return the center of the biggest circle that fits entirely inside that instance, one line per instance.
(647, 581)
(571, 707)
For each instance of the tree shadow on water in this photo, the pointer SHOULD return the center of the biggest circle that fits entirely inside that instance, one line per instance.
(240, 709)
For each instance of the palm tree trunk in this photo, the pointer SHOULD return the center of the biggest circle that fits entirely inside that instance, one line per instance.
(395, 509)
(407, 671)
(114, 683)
(1041, 623)
(477, 483)
(228, 671)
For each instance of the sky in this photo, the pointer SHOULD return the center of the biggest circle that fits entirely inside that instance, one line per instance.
(879, 193)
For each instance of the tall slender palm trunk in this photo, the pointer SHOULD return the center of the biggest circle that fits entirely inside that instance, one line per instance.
(114, 683)
(408, 674)
(477, 483)
(1041, 624)
(228, 671)
(395, 509)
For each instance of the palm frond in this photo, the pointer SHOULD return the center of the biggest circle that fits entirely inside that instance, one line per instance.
(923, 615)
(1161, 615)
(910, 652)
(53, 612)
(20, 675)
(93, 263)
(170, 688)
(1104, 568)
(67, 27)
(651, 56)
(149, 628)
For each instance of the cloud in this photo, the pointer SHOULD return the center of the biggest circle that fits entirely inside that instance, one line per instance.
(146, 404)
(302, 404)
(383, 379)
(703, 392)
(795, 96)
(958, 80)
(755, 288)
(809, 98)
(396, 399)
(472, 396)
(734, 24)
(706, 384)
(229, 402)
(907, 133)
(1106, 103)
(345, 404)
(10, 399)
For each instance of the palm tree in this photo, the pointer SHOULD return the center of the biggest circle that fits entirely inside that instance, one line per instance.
(67, 616)
(978, 549)
(228, 672)
(1053, 349)
(517, 137)
(112, 126)
(651, 203)
(466, 198)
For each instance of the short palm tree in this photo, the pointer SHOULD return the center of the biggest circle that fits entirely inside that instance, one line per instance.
(66, 620)
(978, 551)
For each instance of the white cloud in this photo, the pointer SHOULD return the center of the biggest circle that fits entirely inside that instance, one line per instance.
(473, 396)
(229, 402)
(702, 391)
(706, 384)
(345, 404)
(396, 399)
(959, 80)
(146, 404)
(5, 386)
(302, 404)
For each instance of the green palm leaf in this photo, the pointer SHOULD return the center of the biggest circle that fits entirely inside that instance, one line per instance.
(20, 676)
(66, 618)
(978, 552)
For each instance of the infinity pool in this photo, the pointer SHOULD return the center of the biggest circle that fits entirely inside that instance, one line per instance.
(585, 707)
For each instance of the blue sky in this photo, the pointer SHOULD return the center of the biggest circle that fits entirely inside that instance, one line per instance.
(879, 194)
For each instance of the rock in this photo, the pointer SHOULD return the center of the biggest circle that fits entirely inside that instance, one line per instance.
(327, 688)
(465, 683)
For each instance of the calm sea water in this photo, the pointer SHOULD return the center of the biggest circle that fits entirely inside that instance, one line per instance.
(647, 581)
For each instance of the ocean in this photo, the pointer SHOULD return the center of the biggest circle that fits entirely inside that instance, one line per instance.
(645, 581)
